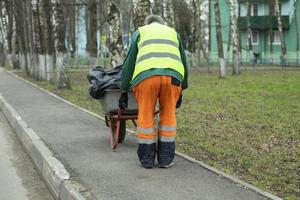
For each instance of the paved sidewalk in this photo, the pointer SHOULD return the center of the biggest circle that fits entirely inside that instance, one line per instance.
(19, 179)
(81, 142)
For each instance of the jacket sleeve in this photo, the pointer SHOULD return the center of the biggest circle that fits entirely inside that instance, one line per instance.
(184, 83)
(129, 63)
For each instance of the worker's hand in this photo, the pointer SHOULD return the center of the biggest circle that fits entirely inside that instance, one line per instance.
(179, 101)
(123, 101)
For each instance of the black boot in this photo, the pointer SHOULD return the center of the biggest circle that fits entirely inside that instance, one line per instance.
(146, 154)
(165, 154)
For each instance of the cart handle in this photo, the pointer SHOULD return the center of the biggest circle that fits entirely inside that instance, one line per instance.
(120, 111)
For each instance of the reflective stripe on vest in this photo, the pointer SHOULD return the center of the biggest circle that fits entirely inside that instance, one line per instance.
(158, 48)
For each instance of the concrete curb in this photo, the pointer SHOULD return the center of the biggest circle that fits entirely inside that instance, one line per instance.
(232, 178)
(52, 170)
(182, 155)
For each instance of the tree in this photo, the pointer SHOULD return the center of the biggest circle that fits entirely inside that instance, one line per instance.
(196, 33)
(102, 23)
(21, 33)
(280, 30)
(38, 38)
(48, 40)
(250, 47)
(157, 8)
(29, 36)
(141, 11)
(92, 24)
(4, 33)
(222, 66)
(235, 38)
(168, 8)
(209, 30)
(11, 35)
(71, 28)
(297, 33)
(127, 21)
(115, 36)
(63, 80)
(271, 33)
(183, 23)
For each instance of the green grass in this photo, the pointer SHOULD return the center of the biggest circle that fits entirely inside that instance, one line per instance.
(247, 126)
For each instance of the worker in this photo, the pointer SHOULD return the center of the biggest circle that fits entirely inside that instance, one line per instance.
(155, 70)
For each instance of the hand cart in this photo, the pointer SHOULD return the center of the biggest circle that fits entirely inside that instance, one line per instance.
(117, 123)
(116, 118)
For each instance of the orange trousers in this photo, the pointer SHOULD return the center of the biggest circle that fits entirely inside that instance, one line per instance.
(147, 93)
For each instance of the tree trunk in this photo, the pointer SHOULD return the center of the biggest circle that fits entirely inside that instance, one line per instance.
(71, 29)
(87, 30)
(280, 30)
(141, 11)
(93, 47)
(102, 18)
(209, 33)
(235, 38)
(38, 38)
(42, 64)
(26, 21)
(48, 40)
(63, 80)
(169, 12)
(271, 33)
(126, 18)
(158, 8)
(2, 35)
(229, 36)
(222, 68)
(11, 35)
(32, 50)
(9, 21)
(4, 27)
(250, 47)
(239, 31)
(297, 33)
(196, 34)
(196, 27)
(115, 37)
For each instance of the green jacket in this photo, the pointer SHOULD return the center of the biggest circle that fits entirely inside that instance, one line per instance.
(129, 64)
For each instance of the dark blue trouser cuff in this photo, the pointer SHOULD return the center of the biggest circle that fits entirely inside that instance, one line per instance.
(146, 154)
(165, 152)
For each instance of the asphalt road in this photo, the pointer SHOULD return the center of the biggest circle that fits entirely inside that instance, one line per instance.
(18, 178)
(81, 142)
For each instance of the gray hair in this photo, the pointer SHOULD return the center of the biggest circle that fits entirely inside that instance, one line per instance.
(154, 18)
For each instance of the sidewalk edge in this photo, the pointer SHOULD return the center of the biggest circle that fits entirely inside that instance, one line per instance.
(230, 177)
(51, 169)
(182, 155)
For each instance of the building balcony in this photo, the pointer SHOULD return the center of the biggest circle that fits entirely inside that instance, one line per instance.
(257, 1)
(263, 22)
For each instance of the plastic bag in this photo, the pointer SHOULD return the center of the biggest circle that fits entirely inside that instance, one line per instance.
(101, 80)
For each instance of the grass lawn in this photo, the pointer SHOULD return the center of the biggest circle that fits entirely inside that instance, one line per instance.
(247, 126)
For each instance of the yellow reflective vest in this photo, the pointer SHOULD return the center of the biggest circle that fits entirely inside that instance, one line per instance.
(158, 47)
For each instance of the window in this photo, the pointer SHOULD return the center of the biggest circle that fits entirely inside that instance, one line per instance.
(254, 38)
(276, 37)
(254, 9)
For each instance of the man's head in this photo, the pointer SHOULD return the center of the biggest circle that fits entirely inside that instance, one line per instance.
(154, 18)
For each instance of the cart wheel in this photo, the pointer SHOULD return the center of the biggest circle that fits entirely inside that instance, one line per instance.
(122, 131)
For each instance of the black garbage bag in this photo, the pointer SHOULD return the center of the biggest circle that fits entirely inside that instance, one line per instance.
(101, 80)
